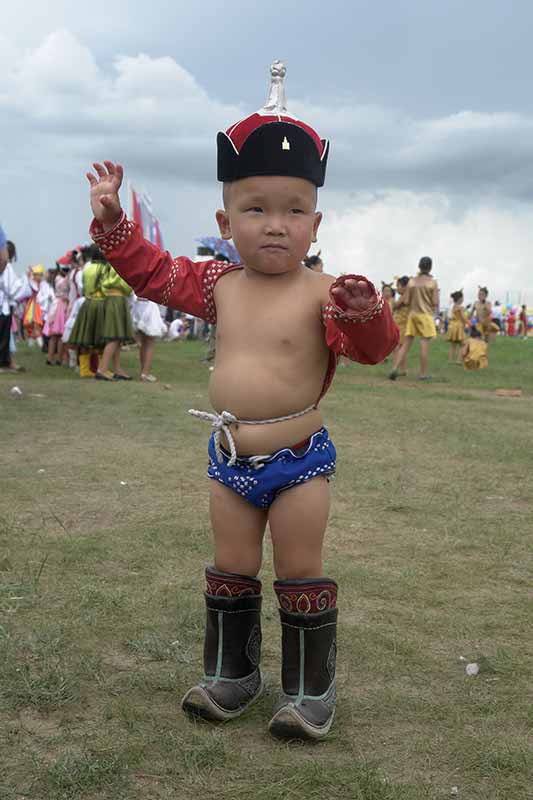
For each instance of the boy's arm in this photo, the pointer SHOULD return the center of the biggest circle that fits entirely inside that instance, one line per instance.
(367, 333)
(175, 282)
(178, 283)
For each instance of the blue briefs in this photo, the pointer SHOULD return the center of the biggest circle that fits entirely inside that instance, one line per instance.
(260, 479)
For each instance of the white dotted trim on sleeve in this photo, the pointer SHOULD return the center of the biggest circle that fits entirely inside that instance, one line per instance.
(328, 312)
(116, 237)
(211, 275)
(170, 282)
(334, 312)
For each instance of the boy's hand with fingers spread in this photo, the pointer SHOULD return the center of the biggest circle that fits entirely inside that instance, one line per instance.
(354, 295)
(105, 202)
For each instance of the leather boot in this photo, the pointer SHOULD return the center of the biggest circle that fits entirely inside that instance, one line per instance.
(309, 643)
(232, 650)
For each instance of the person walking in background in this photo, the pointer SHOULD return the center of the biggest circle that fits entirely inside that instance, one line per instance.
(77, 261)
(482, 311)
(118, 328)
(456, 327)
(14, 302)
(87, 330)
(523, 322)
(56, 318)
(39, 295)
(422, 297)
(400, 313)
(9, 286)
(149, 326)
(179, 327)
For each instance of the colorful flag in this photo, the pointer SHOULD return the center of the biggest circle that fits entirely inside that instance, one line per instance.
(141, 212)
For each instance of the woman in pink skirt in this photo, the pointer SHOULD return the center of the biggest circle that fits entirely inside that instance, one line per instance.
(57, 316)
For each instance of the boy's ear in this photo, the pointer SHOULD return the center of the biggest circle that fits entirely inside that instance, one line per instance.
(316, 225)
(222, 218)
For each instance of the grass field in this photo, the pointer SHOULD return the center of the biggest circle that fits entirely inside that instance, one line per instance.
(103, 537)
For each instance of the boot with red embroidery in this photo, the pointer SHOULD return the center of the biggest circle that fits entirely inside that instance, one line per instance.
(308, 615)
(232, 681)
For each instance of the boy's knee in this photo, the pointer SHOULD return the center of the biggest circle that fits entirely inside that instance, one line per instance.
(247, 562)
(297, 570)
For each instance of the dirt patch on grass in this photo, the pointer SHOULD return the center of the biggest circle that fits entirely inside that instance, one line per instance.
(43, 725)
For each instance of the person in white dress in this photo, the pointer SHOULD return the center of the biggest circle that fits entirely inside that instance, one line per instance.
(78, 260)
(149, 326)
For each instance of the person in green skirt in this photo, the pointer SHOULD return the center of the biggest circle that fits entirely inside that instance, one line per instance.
(88, 328)
(118, 327)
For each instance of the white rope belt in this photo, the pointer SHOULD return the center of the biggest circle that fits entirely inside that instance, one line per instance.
(221, 422)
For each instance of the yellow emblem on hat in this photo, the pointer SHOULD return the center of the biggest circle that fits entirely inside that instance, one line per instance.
(285, 145)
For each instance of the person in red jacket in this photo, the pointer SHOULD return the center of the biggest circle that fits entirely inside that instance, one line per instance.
(270, 455)
(524, 322)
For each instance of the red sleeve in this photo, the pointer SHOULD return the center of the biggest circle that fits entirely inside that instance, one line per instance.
(367, 338)
(174, 282)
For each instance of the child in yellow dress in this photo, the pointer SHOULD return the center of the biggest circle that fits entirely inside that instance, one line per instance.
(482, 311)
(474, 352)
(422, 298)
(400, 313)
(456, 328)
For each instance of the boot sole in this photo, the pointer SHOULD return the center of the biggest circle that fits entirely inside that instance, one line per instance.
(198, 703)
(288, 723)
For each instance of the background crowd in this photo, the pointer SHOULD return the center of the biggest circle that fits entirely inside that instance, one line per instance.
(81, 314)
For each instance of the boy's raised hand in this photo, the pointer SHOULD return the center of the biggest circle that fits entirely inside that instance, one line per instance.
(354, 295)
(105, 203)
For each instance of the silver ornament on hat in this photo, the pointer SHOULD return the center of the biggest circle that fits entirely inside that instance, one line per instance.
(276, 101)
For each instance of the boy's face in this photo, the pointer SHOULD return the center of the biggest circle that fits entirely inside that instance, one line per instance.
(481, 296)
(272, 220)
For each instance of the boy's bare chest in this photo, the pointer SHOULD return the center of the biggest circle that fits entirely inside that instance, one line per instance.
(268, 316)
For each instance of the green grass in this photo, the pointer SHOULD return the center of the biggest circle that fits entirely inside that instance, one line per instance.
(101, 614)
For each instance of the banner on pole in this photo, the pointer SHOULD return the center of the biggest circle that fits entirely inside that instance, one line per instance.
(142, 213)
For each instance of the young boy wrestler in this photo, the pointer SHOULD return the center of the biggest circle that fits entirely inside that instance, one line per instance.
(280, 330)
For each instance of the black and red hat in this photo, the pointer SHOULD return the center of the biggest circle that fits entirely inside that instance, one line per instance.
(272, 142)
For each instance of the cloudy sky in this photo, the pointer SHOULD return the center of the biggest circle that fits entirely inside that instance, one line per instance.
(427, 103)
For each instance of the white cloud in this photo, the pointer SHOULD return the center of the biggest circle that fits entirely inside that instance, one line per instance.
(59, 68)
(149, 113)
(386, 235)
